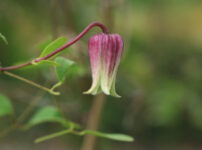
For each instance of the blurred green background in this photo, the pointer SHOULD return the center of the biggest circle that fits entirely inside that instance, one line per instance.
(159, 79)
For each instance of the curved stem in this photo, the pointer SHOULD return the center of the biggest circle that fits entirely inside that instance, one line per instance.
(31, 83)
(104, 30)
(54, 135)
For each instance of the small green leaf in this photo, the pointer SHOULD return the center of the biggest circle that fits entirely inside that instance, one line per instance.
(77, 70)
(46, 62)
(44, 44)
(53, 46)
(117, 137)
(3, 38)
(5, 106)
(112, 136)
(47, 114)
(64, 69)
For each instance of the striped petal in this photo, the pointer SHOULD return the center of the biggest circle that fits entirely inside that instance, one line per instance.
(95, 60)
(111, 56)
(105, 52)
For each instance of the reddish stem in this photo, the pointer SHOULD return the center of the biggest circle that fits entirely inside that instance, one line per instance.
(104, 30)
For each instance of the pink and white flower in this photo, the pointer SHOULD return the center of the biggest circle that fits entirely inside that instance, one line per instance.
(105, 52)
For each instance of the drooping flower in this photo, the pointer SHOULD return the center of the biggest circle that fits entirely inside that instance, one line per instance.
(105, 52)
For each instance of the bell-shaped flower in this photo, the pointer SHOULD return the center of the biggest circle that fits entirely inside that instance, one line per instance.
(105, 52)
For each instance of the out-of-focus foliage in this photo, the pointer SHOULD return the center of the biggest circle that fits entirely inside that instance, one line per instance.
(159, 78)
(64, 68)
(3, 38)
(53, 46)
(46, 114)
(5, 106)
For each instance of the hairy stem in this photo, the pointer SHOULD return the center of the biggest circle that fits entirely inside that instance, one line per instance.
(104, 29)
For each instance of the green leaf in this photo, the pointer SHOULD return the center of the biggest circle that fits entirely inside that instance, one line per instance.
(117, 137)
(5, 106)
(3, 38)
(47, 62)
(77, 70)
(64, 69)
(112, 136)
(47, 114)
(44, 44)
(53, 46)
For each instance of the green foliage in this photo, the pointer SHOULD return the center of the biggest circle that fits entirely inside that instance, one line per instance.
(64, 69)
(3, 38)
(42, 45)
(46, 62)
(159, 77)
(47, 114)
(195, 111)
(5, 106)
(53, 46)
(165, 104)
(112, 136)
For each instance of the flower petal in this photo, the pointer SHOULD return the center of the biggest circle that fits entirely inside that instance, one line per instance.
(95, 60)
(111, 55)
(105, 52)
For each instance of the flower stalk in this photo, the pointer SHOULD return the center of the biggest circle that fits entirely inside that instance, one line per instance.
(105, 52)
(104, 30)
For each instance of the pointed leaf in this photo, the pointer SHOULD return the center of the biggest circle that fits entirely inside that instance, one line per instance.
(5, 106)
(64, 69)
(112, 136)
(47, 62)
(3, 38)
(42, 45)
(47, 114)
(53, 46)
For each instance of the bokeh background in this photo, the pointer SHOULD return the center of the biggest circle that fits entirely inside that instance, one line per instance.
(159, 79)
